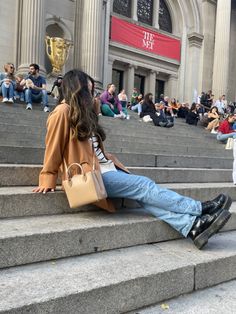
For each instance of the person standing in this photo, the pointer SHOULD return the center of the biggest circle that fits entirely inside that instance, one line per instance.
(36, 88)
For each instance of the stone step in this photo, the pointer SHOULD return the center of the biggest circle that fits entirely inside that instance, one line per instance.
(184, 175)
(26, 137)
(20, 201)
(218, 299)
(33, 239)
(19, 123)
(172, 161)
(22, 154)
(159, 139)
(24, 131)
(38, 118)
(169, 149)
(27, 175)
(123, 147)
(34, 155)
(117, 281)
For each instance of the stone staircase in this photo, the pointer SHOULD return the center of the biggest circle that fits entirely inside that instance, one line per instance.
(57, 260)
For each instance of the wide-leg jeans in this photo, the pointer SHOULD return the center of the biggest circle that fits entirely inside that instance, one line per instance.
(178, 211)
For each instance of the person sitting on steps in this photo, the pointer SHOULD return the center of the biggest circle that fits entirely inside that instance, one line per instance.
(55, 87)
(36, 88)
(20, 88)
(7, 83)
(213, 120)
(192, 116)
(110, 104)
(75, 136)
(148, 108)
(226, 130)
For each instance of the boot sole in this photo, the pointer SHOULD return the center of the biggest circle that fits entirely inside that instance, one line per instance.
(202, 239)
(227, 203)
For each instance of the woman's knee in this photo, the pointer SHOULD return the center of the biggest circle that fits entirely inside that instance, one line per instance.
(106, 110)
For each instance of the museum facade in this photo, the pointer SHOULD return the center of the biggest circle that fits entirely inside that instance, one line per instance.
(176, 47)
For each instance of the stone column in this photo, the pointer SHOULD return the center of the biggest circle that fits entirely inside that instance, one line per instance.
(209, 25)
(130, 80)
(193, 66)
(92, 40)
(134, 9)
(32, 35)
(109, 72)
(155, 19)
(78, 33)
(151, 86)
(171, 90)
(221, 53)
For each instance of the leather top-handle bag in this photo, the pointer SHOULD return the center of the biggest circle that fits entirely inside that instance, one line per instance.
(84, 188)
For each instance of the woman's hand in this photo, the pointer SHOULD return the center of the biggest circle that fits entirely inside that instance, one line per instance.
(42, 190)
(111, 106)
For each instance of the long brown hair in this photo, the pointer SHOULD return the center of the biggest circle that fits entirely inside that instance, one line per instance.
(77, 94)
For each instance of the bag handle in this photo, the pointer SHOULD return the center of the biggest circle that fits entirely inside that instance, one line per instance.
(69, 173)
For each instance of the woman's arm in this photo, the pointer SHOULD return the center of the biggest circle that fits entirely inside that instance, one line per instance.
(56, 139)
(104, 98)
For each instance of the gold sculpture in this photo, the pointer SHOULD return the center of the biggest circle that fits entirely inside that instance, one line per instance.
(57, 50)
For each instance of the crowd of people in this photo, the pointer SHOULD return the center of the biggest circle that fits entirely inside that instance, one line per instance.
(216, 115)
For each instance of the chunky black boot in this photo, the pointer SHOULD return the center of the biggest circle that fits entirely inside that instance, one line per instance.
(221, 201)
(207, 225)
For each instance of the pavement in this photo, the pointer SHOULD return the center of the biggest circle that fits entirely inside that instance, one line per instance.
(220, 299)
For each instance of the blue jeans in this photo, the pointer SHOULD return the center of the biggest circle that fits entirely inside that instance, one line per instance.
(223, 137)
(178, 211)
(21, 95)
(137, 108)
(41, 96)
(7, 92)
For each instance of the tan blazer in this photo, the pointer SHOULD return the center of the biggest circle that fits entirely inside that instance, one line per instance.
(60, 145)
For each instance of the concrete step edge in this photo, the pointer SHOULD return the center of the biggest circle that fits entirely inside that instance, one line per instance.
(120, 280)
(40, 238)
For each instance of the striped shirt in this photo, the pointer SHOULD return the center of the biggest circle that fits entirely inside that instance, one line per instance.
(105, 164)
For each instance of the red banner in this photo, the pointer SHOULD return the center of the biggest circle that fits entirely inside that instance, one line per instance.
(145, 39)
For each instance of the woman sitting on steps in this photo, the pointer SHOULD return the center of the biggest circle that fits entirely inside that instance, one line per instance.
(73, 128)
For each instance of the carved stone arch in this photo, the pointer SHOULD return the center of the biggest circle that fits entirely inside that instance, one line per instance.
(191, 15)
(176, 17)
(184, 14)
(67, 32)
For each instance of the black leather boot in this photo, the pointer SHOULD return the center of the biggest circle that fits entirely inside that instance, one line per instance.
(221, 201)
(207, 225)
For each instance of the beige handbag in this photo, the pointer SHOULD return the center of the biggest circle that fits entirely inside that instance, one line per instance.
(85, 188)
(230, 143)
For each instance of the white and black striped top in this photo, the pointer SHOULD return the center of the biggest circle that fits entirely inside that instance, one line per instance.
(105, 164)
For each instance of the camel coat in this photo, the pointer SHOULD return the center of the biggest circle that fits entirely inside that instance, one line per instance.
(60, 146)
